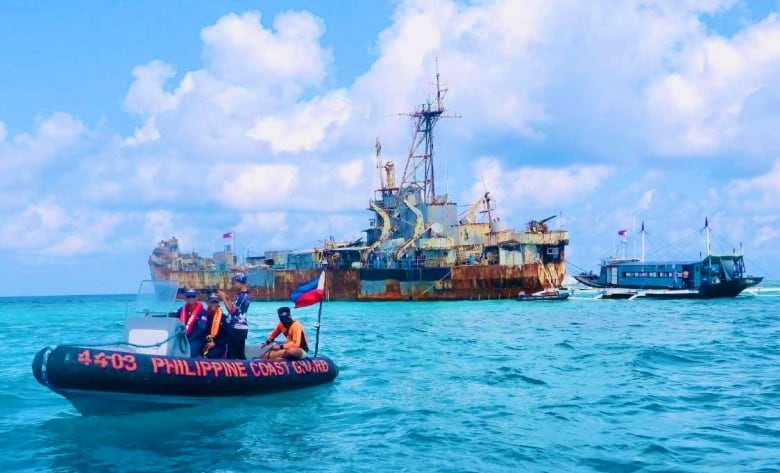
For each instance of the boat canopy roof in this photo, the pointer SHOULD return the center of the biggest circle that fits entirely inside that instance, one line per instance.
(651, 263)
(636, 262)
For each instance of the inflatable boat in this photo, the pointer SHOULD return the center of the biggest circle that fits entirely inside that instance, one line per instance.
(151, 370)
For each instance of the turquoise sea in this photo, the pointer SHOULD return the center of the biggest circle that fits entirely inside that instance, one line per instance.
(490, 386)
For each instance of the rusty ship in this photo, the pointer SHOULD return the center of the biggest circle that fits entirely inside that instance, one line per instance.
(417, 246)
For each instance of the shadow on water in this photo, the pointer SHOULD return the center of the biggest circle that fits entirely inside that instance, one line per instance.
(506, 376)
(182, 439)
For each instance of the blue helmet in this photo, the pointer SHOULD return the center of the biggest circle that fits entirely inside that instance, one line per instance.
(240, 278)
(213, 297)
(190, 293)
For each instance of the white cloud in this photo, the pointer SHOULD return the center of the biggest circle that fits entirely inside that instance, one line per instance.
(238, 49)
(146, 95)
(759, 191)
(700, 106)
(27, 157)
(160, 223)
(260, 136)
(46, 228)
(766, 235)
(350, 173)
(304, 128)
(646, 200)
(146, 133)
(251, 187)
(530, 186)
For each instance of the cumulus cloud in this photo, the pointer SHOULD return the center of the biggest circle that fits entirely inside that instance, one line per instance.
(304, 128)
(257, 186)
(238, 49)
(146, 95)
(705, 104)
(761, 191)
(28, 157)
(260, 135)
(47, 228)
(535, 186)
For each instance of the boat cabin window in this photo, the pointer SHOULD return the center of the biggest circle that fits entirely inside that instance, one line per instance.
(728, 269)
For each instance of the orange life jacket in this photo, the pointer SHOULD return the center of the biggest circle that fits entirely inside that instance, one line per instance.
(190, 318)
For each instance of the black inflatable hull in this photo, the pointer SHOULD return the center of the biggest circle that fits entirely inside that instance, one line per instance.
(99, 381)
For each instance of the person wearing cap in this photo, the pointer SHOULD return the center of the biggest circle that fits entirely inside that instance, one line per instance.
(296, 346)
(238, 325)
(191, 308)
(210, 340)
(190, 314)
(215, 342)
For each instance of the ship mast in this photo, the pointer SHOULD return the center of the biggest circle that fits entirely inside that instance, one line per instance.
(421, 161)
(379, 166)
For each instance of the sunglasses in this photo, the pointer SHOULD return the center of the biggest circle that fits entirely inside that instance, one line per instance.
(191, 297)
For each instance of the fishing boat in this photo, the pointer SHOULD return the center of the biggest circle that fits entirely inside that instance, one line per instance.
(151, 369)
(550, 294)
(714, 276)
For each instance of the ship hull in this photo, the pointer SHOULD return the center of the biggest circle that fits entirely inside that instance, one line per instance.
(468, 282)
(716, 291)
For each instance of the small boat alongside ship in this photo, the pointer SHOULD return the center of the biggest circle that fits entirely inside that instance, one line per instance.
(714, 276)
(550, 294)
(152, 368)
(418, 245)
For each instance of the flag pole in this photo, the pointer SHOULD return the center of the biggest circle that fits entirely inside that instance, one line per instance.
(317, 326)
(319, 313)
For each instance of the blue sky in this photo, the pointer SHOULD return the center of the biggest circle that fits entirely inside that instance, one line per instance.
(122, 123)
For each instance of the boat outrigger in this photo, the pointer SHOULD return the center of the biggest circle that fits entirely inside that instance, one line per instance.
(715, 276)
(152, 368)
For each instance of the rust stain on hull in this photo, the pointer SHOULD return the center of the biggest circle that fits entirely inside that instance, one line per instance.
(475, 282)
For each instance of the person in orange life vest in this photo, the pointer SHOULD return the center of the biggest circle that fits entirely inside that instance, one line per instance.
(191, 307)
(296, 345)
(189, 314)
(209, 332)
(237, 324)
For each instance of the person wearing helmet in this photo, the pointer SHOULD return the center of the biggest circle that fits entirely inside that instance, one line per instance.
(296, 346)
(207, 337)
(237, 323)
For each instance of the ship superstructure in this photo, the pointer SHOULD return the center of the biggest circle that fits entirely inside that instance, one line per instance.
(417, 245)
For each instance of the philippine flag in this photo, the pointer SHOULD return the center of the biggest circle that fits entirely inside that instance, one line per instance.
(623, 233)
(309, 293)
